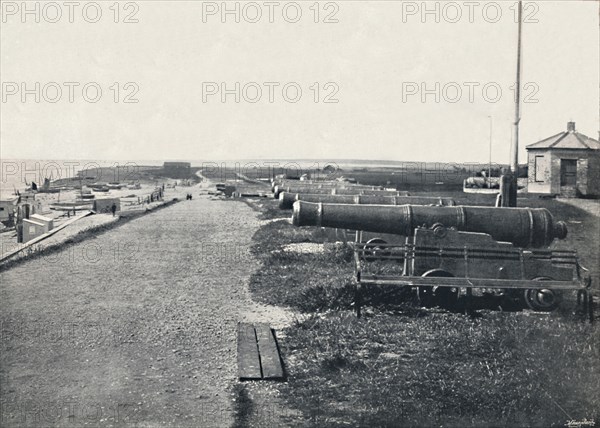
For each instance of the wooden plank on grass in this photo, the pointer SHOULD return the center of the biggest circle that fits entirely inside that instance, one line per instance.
(269, 352)
(247, 350)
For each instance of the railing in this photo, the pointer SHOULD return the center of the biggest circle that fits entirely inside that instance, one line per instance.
(369, 261)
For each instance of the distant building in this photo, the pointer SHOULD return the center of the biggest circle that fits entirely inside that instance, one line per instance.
(177, 169)
(566, 164)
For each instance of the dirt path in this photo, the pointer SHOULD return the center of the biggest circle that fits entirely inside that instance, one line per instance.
(135, 326)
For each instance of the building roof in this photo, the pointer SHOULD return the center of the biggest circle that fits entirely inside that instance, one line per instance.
(569, 139)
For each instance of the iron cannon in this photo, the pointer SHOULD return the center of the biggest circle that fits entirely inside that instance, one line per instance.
(325, 183)
(523, 227)
(347, 190)
(317, 188)
(279, 190)
(351, 191)
(449, 251)
(312, 183)
(286, 200)
(321, 183)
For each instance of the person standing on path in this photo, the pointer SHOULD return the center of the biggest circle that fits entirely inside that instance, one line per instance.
(113, 209)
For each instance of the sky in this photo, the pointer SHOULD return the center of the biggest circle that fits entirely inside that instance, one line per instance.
(385, 80)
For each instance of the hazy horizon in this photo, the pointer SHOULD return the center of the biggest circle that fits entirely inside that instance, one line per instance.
(266, 161)
(371, 61)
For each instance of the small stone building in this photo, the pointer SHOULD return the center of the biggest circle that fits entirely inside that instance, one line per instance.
(566, 164)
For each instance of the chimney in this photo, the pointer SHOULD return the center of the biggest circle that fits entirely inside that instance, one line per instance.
(571, 126)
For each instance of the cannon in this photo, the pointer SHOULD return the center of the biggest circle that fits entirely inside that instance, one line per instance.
(351, 191)
(310, 183)
(337, 190)
(306, 188)
(450, 248)
(523, 227)
(320, 183)
(279, 190)
(316, 183)
(286, 200)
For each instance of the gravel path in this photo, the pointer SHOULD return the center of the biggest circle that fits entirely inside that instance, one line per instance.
(135, 326)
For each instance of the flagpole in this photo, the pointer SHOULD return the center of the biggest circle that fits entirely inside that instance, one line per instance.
(514, 161)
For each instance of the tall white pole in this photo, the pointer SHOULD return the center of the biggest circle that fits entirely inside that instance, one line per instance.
(514, 162)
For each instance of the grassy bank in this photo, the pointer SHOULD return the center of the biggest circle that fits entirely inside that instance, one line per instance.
(304, 281)
(401, 365)
(433, 369)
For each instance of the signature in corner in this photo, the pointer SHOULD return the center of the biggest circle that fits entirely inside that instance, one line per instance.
(583, 423)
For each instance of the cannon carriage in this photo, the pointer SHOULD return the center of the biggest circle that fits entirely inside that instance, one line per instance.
(451, 250)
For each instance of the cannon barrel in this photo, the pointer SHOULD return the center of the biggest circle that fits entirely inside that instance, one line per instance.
(321, 184)
(283, 183)
(317, 183)
(286, 200)
(353, 189)
(313, 183)
(338, 191)
(328, 185)
(280, 190)
(524, 227)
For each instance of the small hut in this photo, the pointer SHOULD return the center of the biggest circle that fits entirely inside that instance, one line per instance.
(565, 164)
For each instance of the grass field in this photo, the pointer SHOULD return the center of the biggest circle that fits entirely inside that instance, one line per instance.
(402, 365)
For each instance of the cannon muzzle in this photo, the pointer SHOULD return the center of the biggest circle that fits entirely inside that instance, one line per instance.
(286, 200)
(524, 227)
